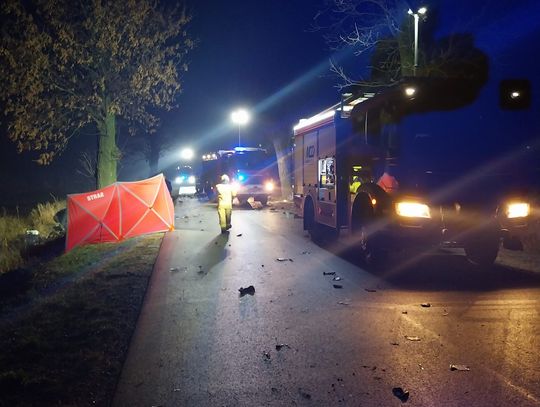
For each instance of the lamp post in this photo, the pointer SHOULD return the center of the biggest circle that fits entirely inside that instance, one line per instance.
(240, 117)
(421, 12)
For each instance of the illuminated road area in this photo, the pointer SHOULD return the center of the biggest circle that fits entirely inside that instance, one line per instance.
(299, 341)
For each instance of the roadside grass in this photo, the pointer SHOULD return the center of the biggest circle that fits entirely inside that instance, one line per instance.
(67, 346)
(13, 232)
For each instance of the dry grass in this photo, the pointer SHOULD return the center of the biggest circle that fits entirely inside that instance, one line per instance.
(13, 231)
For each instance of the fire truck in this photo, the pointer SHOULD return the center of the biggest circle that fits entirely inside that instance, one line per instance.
(403, 169)
(251, 170)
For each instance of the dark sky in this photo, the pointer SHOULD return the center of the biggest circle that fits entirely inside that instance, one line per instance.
(261, 54)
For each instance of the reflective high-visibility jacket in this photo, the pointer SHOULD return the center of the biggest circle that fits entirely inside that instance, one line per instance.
(226, 193)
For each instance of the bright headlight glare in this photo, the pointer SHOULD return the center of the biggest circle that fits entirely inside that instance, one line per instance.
(178, 180)
(191, 179)
(269, 186)
(413, 210)
(517, 210)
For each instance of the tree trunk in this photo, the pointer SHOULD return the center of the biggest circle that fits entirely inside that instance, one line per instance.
(107, 152)
(283, 160)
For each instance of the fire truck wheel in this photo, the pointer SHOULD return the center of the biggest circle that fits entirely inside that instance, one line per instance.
(366, 244)
(483, 252)
(313, 228)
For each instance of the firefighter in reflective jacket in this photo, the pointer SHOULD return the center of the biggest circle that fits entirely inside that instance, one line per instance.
(226, 193)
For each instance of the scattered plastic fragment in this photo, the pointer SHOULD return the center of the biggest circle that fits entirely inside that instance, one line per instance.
(174, 269)
(304, 394)
(425, 305)
(338, 286)
(283, 259)
(239, 234)
(401, 394)
(336, 278)
(177, 390)
(248, 290)
(282, 345)
(329, 273)
(461, 368)
(404, 312)
(306, 252)
(370, 290)
(344, 303)
(412, 338)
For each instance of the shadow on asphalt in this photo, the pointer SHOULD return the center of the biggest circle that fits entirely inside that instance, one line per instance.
(442, 271)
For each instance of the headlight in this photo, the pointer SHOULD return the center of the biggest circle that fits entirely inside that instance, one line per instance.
(178, 180)
(269, 186)
(191, 179)
(412, 210)
(517, 210)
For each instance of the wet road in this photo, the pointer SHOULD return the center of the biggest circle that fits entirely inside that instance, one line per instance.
(198, 343)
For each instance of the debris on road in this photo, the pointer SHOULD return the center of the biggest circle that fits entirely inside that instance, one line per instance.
(401, 394)
(304, 394)
(370, 290)
(344, 303)
(248, 290)
(336, 278)
(174, 269)
(461, 368)
(329, 273)
(306, 252)
(266, 355)
(404, 312)
(283, 259)
(425, 305)
(337, 286)
(445, 313)
(282, 345)
(239, 234)
(394, 343)
(412, 338)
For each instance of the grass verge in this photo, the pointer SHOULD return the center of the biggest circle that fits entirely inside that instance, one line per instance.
(66, 347)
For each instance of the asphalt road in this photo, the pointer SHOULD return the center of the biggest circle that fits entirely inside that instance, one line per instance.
(198, 343)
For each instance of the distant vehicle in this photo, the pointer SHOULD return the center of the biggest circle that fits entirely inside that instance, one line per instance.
(392, 171)
(184, 181)
(251, 169)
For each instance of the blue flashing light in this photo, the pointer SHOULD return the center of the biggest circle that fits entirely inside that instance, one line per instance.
(241, 177)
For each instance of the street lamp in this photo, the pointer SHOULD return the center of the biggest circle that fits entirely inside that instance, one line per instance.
(187, 154)
(240, 117)
(421, 12)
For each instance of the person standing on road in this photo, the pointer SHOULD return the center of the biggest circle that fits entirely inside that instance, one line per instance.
(226, 194)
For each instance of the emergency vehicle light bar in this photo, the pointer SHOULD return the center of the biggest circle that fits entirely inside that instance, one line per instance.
(314, 119)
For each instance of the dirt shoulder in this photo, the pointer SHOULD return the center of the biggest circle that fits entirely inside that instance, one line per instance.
(64, 336)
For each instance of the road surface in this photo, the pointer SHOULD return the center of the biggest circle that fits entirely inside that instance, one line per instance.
(299, 341)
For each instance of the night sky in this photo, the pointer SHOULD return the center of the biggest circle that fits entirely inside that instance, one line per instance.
(263, 56)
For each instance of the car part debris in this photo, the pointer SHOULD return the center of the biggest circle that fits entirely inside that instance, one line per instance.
(412, 338)
(461, 368)
(329, 273)
(338, 286)
(248, 290)
(344, 303)
(425, 305)
(239, 234)
(401, 394)
(370, 290)
(336, 278)
(283, 259)
(282, 345)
